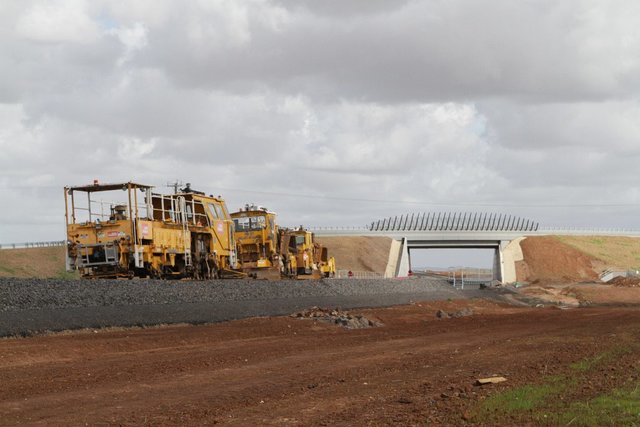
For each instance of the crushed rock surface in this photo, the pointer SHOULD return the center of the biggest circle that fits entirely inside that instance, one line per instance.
(24, 294)
(32, 306)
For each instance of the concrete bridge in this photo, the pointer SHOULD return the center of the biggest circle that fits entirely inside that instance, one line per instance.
(499, 232)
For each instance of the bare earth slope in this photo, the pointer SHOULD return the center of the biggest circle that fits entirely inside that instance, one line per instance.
(547, 258)
(575, 258)
(358, 253)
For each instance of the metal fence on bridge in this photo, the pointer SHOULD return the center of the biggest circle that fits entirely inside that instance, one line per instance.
(454, 221)
(407, 223)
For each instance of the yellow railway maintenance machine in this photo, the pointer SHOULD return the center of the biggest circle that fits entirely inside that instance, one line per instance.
(257, 240)
(126, 230)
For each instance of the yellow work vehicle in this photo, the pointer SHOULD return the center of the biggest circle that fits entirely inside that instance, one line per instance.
(126, 230)
(256, 234)
(304, 258)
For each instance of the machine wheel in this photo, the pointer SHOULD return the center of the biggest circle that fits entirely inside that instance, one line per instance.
(154, 274)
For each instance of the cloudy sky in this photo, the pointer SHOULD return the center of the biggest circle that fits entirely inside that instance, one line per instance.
(329, 112)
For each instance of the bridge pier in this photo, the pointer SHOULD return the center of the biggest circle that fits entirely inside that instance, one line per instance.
(398, 263)
(511, 254)
(499, 261)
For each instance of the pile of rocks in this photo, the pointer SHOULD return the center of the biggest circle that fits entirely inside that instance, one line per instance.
(338, 317)
(441, 314)
(625, 282)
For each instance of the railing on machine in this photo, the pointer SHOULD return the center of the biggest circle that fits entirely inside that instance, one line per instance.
(182, 216)
(108, 254)
(181, 211)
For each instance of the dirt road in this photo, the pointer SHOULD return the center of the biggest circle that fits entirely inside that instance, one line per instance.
(417, 369)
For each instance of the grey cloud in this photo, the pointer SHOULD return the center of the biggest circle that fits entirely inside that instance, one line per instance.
(577, 145)
(365, 109)
(423, 51)
(342, 9)
(611, 126)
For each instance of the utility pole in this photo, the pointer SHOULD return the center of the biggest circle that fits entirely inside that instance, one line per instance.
(175, 185)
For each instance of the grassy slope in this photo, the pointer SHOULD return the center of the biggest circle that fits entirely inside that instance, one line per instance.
(614, 252)
(33, 262)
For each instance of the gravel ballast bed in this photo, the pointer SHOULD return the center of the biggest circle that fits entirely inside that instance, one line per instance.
(33, 305)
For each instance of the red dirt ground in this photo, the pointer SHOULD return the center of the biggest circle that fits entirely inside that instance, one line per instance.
(415, 370)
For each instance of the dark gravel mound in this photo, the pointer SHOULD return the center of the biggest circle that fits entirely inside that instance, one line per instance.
(625, 282)
(338, 317)
(21, 294)
(32, 305)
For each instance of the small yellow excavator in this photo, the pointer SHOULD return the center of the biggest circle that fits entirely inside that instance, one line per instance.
(303, 258)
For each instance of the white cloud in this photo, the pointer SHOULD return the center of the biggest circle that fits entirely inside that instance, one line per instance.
(133, 38)
(134, 149)
(57, 22)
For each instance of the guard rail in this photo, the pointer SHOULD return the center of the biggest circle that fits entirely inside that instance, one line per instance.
(31, 244)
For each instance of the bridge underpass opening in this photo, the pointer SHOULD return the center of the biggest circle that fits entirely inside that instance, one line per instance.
(463, 267)
(481, 258)
(445, 258)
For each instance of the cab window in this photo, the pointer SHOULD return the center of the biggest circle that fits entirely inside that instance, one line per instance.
(224, 211)
(257, 223)
(214, 211)
(242, 224)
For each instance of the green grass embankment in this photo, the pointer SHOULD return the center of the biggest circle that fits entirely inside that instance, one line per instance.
(34, 262)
